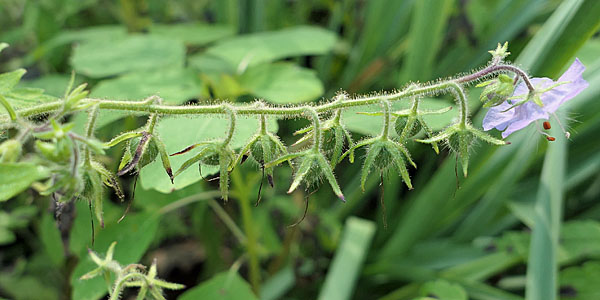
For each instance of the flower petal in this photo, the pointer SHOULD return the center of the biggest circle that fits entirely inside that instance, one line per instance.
(497, 117)
(565, 92)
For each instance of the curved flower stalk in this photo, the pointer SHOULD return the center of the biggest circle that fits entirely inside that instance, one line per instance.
(383, 152)
(549, 95)
(460, 136)
(214, 153)
(335, 138)
(313, 163)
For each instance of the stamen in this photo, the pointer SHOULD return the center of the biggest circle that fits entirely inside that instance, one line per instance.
(546, 125)
(547, 136)
(567, 134)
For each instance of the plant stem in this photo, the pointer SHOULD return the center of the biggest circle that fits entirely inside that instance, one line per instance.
(249, 228)
(316, 128)
(282, 111)
(385, 132)
(231, 113)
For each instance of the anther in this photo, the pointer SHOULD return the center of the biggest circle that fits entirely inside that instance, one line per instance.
(546, 125)
(550, 138)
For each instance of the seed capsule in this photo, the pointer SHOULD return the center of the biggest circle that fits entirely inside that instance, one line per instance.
(547, 125)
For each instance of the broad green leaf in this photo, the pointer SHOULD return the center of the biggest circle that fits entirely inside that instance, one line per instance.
(174, 85)
(179, 133)
(256, 48)
(17, 177)
(104, 58)
(16, 219)
(443, 290)
(579, 239)
(50, 236)
(211, 64)
(133, 236)
(282, 83)
(89, 34)
(194, 34)
(52, 84)
(580, 282)
(347, 262)
(26, 287)
(21, 97)
(225, 286)
(9, 80)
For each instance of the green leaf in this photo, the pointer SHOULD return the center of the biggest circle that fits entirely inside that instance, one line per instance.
(347, 262)
(179, 133)
(51, 84)
(282, 83)
(17, 177)
(3, 46)
(427, 32)
(581, 282)
(174, 85)
(225, 286)
(569, 27)
(9, 80)
(50, 236)
(102, 58)
(89, 34)
(192, 34)
(256, 48)
(278, 284)
(443, 290)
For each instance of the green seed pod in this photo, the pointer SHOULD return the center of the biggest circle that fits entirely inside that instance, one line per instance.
(383, 160)
(10, 151)
(211, 160)
(454, 142)
(400, 125)
(148, 154)
(263, 150)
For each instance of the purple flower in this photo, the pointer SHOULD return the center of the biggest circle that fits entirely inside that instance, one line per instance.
(553, 94)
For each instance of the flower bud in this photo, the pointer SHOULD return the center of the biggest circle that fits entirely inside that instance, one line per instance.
(400, 126)
(10, 151)
(263, 150)
(496, 90)
(56, 152)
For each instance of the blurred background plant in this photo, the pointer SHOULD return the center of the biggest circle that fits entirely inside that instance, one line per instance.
(524, 224)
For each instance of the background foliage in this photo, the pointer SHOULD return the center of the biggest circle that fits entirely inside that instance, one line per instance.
(441, 241)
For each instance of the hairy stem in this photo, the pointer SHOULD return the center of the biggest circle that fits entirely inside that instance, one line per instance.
(461, 99)
(385, 132)
(494, 68)
(230, 111)
(89, 130)
(316, 127)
